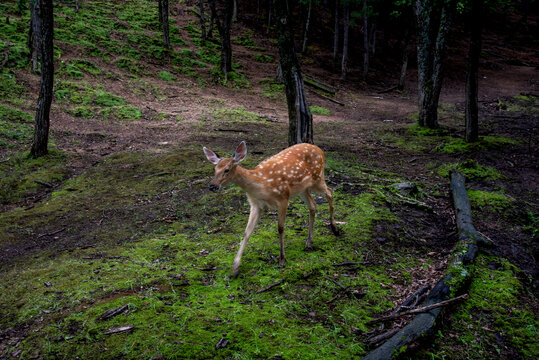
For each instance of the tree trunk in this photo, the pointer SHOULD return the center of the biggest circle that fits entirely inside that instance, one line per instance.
(472, 108)
(304, 47)
(235, 11)
(34, 35)
(300, 128)
(365, 40)
(164, 16)
(160, 11)
(344, 62)
(224, 33)
(202, 21)
(336, 32)
(404, 67)
(433, 22)
(42, 121)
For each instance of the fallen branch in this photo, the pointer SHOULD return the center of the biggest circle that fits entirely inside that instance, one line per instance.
(317, 84)
(119, 329)
(412, 298)
(52, 233)
(270, 286)
(109, 314)
(455, 280)
(418, 310)
(44, 183)
(378, 338)
(327, 98)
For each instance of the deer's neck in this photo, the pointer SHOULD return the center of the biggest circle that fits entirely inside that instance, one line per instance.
(247, 180)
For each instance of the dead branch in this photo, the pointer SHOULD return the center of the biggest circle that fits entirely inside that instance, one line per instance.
(327, 98)
(109, 314)
(378, 338)
(44, 183)
(412, 298)
(418, 310)
(270, 286)
(52, 233)
(119, 329)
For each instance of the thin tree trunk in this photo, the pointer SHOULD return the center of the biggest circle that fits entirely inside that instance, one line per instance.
(270, 11)
(433, 20)
(472, 108)
(160, 11)
(202, 21)
(344, 63)
(404, 67)
(235, 11)
(34, 43)
(336, 32)
(365, 40)
(372, 36)
(304, 47)
(300, 128)
(42, 120)
(166, 33)
(224, 33)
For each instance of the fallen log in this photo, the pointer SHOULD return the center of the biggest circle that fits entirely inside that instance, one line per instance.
(455, 280)
(309, 81)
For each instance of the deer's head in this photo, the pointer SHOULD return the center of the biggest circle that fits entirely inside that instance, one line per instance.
(225, 169)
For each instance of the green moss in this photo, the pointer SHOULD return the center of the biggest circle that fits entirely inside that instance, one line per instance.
(319, 110)
(489, 200)
(245, 39)
(494, 318)
(19, 172)
(166, 76)
(236, 115)
(471, 170)
(263, 58)
(272, 90)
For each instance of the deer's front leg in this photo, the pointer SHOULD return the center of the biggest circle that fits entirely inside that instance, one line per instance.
(281, 216)
(253, 219)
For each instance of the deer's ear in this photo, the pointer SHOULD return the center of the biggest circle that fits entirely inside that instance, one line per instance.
(211, 156)
(241, 152)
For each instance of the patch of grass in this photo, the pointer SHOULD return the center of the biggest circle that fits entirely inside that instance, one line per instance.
(236, 115)
(459, 145)
(471, 170)
(19, 172)
(272, 90)
(8, 113)
(245, 39)
(319, 110)
(123, 112)
(489, 200)
(263, 58)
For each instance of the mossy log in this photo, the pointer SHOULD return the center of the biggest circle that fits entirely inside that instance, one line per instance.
(454, 282)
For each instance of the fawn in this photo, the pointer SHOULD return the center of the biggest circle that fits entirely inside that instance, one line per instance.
(293, 171)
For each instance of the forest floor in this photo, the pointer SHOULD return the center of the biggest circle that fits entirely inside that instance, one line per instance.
(118, 215)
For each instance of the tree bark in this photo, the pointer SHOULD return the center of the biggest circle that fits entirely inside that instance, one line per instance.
(344, 63)
(164, 16)
(433, 23)
(472, 83)
(42, 120)
(34, 32)
(307, 23)
(224, 22)
(405, 52)
(365, 40)
(300, 129)
(336, 32)
(202, 21)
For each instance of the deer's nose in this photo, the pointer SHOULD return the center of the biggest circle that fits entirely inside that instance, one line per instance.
(212, 187)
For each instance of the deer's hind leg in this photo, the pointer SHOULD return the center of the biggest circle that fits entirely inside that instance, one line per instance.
(312, 211)
(321, 187)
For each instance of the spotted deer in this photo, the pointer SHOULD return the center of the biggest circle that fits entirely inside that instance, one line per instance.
(294, 171)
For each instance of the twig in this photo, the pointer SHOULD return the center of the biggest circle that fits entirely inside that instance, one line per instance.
(327, 98)
(419, 310)
(415, 296)
(376, 339)
(350, 263)
(272, 285)
(335, 282)
(52, 233)
(44, 183)
(109, 314)
(119, 329)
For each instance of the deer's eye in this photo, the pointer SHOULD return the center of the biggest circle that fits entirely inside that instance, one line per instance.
(227, 170)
